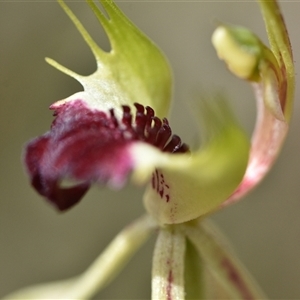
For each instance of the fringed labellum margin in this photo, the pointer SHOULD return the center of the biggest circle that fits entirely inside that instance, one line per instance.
(87, 145)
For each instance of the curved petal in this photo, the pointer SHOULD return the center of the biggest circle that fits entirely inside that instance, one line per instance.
(187, 186)
(272, 76)
(266, 142)
(134, 70)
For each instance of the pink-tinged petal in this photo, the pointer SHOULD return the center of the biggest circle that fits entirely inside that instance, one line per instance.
(86, 145)
(271, 71)
(267, 140)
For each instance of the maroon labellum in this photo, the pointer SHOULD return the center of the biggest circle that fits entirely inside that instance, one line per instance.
(87, 145)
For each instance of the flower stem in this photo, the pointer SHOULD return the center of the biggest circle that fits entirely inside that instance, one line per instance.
(194, 273)
(168, 264)
(222, 263)
(114, 257)
(101, 272)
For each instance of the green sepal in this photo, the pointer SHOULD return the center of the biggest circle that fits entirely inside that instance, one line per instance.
(134, 70)
(282, 50)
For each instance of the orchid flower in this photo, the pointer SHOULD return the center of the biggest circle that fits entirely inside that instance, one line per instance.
(117, 129)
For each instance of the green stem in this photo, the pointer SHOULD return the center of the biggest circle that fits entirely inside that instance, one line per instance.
(168, 264)
(101, 272)
(226, 268)
(194, 279)
(114, 257)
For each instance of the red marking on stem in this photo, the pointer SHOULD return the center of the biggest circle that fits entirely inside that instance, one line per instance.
(236, 279)
(169, 286)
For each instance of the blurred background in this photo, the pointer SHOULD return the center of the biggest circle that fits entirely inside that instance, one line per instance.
(37, 244)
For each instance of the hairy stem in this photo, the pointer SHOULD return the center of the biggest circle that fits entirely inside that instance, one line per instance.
(168, 265)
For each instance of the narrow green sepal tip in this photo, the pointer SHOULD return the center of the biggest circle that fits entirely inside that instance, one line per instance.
(135, 70)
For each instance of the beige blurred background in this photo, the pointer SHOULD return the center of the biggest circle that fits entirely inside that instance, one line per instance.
(36, 243)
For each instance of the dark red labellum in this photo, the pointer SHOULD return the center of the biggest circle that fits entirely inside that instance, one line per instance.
(88, 146)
